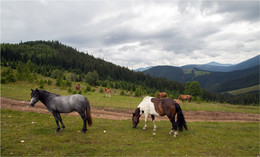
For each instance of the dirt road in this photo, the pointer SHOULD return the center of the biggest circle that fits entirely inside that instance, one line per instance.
(124, 114)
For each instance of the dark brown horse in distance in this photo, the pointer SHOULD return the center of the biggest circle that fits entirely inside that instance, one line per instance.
(161, 95)
(77, 87)
(185, 97)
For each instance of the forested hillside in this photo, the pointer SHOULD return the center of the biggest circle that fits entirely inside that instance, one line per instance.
(217, 82)
(47, 57)
(61, 62)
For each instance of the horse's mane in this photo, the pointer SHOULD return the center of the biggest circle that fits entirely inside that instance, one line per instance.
(49, 93)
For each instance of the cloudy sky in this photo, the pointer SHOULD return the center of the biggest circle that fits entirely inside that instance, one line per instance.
(140, 33)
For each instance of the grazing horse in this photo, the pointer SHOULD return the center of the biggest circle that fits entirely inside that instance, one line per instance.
(57, 104)
(160, 107)
(77, 87)
(161, 95)
(185, 97)
(108, 92)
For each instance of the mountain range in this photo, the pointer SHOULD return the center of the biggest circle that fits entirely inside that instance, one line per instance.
(215, 77)
(217, 67)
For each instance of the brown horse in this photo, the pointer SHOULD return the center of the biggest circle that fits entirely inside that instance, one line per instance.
(108, 92)
(160, 107)
(161, 95)
(185, 97)
(77, 87)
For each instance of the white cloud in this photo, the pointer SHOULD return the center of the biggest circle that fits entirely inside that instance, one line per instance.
(140, 33)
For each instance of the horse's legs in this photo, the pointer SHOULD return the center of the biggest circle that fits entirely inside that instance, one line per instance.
(154, 125)
(174, 125)
(84, 118)
(59, 117)
(55, 114)
(145, 121)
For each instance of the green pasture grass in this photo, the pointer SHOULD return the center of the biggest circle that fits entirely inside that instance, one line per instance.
(116, 101)
(33, 134)
(244, 90)
(21, 91)
(219, 107)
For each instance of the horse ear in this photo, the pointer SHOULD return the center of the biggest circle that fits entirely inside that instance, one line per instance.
(31, 89)
(37, 90)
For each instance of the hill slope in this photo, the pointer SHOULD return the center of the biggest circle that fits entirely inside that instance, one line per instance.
(213, 81)
(48, 56)
(168, 72)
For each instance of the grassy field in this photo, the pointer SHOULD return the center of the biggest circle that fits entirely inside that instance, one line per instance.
(244, 90)
(32, 134)
(22, 90)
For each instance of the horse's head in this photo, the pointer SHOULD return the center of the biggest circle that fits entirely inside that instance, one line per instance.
(34, 97)
(136, 117)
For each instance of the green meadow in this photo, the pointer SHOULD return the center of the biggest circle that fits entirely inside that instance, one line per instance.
(32, 134)
(21, 91)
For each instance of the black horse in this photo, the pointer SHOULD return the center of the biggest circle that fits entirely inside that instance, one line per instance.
(57, 104)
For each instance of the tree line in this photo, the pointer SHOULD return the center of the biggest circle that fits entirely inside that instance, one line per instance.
(51, 59)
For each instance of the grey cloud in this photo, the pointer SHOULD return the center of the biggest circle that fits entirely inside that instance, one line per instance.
(242, 10)
(127, 48)
(118, 31)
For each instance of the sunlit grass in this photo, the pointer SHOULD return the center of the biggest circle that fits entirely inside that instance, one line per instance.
(21, 91)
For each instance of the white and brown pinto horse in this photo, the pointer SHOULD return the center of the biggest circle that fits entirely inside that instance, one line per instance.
(160, 107)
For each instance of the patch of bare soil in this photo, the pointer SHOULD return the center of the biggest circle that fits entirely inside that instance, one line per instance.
(124, 114)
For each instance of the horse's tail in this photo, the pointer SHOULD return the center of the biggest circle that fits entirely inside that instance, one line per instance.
(88, 115)
(180, 118)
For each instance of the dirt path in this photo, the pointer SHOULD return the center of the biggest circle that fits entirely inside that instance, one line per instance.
(124, 114)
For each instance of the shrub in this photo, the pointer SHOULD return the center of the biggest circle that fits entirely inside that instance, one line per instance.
(7, 76)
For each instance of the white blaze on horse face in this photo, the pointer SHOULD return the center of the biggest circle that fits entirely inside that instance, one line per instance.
(33, 101)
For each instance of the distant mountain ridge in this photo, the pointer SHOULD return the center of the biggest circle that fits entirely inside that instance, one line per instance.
(142, 69)
(218, 79)
(217, 67)
(218, 64)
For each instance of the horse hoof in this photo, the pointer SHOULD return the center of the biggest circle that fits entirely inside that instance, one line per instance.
(83, 131)
(175, 134)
